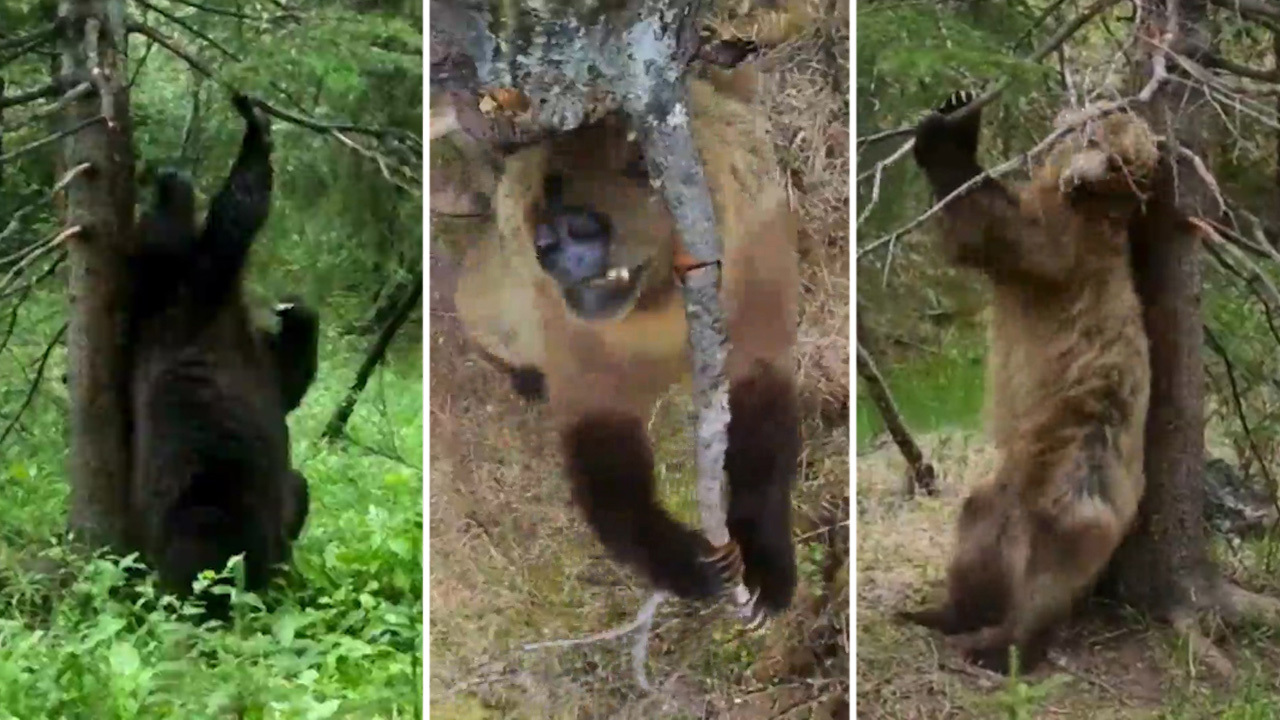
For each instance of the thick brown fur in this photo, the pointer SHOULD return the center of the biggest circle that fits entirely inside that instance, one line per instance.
(1068, 377)
(603, 375)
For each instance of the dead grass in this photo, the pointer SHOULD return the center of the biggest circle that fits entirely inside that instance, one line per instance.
(512, 562)
(1110, 666)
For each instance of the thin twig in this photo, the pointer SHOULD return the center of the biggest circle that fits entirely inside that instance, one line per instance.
(26, 45)
(43, 33)
(37, 144)
(29, 96)
(218, 11)
(35, 253)
(640, 625)
(277, 112)
(45, 274)
(193, 30)
(35, 384)
(1240, 414)
(76, 92)
(142, 62)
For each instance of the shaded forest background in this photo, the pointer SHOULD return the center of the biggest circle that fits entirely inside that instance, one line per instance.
(345, 233)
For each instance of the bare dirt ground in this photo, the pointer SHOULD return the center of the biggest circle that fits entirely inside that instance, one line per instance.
(1108, 666)
(512, 562)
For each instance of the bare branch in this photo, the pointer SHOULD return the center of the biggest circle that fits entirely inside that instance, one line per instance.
(190, 29)
(155, 36)
(215, 10)
(1041, 19)
(32, 254)
(24, 44)
(640, 648)
(1250, 278)
(42, 34)
(1255, 273)
(1251, 8)
(277, 112)
(75, 93)
(36, 145)
(1218, 62)
(26, 287)
(22, 98)
(920, 474)
(35, 384)
(15, 221)
(1239, 408)
(59, 85)
(885, 135)
(142, 62)
(1203, 171)
(287, 13)
(1056, 41)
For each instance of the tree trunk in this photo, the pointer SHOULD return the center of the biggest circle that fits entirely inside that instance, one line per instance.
(1165, 560)
(101, 202)
(1164, 567)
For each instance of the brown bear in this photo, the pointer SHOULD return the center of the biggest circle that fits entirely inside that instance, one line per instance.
(1068, 374)
(575, 292)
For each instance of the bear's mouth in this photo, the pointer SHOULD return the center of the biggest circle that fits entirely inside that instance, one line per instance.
(615, 278)
(609, 295)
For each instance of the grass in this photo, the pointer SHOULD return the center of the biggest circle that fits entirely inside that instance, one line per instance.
(343, 641)
(512, 562)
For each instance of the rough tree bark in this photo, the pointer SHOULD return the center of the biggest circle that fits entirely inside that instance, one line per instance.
(1164, 568)
(100, 202)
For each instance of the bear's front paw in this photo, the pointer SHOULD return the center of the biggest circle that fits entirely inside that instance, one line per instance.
(943, 141)
(956, 101)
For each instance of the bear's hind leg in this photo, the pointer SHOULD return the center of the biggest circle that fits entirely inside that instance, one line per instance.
(761, 463)
(611, 466)
(199, 538)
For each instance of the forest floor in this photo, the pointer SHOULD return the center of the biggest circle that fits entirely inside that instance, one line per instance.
(512, 562)
(1110, 666)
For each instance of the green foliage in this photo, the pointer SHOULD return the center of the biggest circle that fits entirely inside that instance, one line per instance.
(912, 55)
(342, 640)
